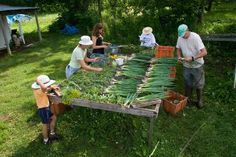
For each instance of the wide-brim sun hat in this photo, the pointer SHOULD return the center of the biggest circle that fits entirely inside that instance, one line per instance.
(85, 40)
(147, 30)
(182, 29)
(45, 80)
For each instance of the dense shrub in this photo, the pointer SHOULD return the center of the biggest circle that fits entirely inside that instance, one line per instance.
(83, 22)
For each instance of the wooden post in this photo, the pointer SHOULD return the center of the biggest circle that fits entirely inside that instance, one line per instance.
(235, 77)
(150, 131)
(5, 36)
(38, 28)
(21, 32)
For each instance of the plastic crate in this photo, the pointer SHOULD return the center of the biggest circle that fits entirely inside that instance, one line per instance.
(58, 108)
(164, 51)
(172, 72)
(55, 104)
(171, 107)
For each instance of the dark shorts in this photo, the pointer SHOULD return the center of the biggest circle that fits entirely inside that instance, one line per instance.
(45, 114)
(194, 77)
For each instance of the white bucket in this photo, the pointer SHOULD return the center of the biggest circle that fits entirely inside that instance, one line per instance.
(119, 61)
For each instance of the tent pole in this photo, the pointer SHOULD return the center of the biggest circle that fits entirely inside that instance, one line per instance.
(21, 32)
(37, 22)
(5, 36)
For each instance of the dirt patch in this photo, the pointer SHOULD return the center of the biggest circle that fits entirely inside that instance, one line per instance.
(5, 117)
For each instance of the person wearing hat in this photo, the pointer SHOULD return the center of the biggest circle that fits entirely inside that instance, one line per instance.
(48, 119)
(190, 51)
(79, 58)
(147, 38)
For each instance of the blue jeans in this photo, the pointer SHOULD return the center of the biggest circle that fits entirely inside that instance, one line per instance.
(70, 71)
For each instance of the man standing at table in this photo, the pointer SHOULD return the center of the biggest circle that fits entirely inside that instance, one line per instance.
(190, 51)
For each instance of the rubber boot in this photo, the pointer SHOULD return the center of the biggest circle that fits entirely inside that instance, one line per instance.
(199, 98)
(188, 93)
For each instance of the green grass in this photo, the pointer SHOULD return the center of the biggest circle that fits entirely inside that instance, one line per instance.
(93, 133)
(30, 25)
(221, 19)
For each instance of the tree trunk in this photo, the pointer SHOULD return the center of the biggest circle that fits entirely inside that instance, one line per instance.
(201, 12)
(209, 6)
(100, 9)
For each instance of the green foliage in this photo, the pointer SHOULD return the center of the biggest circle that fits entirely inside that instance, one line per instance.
(124, 20)
(222, 53)
(82, 21)
(90, 132)
(69, 94)
(221, 19)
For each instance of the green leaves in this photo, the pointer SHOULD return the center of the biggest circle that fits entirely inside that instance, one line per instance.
(69, 94)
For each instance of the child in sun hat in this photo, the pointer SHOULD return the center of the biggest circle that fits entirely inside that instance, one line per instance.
(40, 88)
(147, 38)
(79, 58)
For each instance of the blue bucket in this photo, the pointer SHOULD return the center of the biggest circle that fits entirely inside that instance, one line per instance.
(114, 49)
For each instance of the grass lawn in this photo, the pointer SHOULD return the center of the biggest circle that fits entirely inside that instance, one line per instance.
(221, 19)
(209, 132)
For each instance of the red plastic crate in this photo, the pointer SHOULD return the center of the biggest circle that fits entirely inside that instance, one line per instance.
(172, 72)
(172, 75)
(171, 107)
(164, 51)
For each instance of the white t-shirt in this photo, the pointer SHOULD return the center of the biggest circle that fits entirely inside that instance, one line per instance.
(77, 55)
(191, 47)
(147, 40)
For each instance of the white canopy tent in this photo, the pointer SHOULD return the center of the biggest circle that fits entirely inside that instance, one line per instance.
(5, 33)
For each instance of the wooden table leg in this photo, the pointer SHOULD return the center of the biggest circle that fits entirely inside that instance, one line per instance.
(150, 131)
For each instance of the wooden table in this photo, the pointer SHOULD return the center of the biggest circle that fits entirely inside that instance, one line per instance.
(138, 109)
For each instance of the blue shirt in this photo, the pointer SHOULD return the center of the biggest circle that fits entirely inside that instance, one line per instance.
(147, 40)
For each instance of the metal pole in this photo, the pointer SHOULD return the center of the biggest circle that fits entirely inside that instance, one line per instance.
(21, 32)
(38, 28)
(5, 36)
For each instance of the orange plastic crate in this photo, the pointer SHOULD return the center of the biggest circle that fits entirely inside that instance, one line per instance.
(170, 106)
(164, 51)
(172, 72)
(58, 108)
(173, 69)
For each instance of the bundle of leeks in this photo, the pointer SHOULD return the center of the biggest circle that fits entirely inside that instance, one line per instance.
(133, 72)
(157, 80)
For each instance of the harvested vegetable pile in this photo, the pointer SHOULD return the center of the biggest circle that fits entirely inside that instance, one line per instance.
(139, 79)
(157, 80)
(143, 79)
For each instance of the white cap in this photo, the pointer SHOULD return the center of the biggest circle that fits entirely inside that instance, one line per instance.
(85, 40)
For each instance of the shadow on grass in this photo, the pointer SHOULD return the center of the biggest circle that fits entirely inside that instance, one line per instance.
(83, 136)
(51, 45)
(34, 119)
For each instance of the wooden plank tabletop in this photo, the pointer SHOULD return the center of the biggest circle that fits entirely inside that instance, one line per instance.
(118, 108)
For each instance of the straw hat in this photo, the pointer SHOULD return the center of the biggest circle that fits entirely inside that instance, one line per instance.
(147, 30)
(85, 40)
(45, 80)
